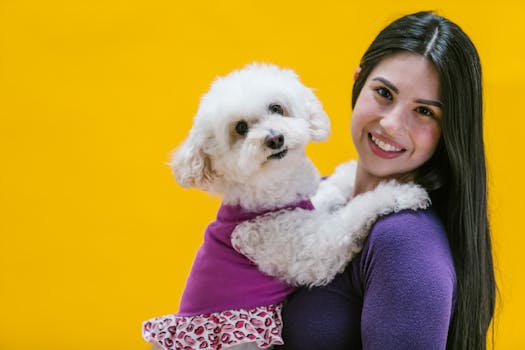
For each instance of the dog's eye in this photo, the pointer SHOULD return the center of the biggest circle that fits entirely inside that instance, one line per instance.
(241, 128)
(276, 109)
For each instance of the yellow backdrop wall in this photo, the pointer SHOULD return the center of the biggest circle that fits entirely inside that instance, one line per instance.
(95, 236)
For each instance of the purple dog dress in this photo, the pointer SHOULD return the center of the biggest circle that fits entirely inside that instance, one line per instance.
(227, 300)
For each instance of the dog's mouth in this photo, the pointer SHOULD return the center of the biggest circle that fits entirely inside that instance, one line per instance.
(278, 155)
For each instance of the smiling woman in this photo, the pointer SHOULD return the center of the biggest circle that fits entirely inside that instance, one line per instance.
(424, 280)
(396, 122)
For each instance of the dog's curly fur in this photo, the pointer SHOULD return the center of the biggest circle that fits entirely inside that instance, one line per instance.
(247, 144)
(271, 101)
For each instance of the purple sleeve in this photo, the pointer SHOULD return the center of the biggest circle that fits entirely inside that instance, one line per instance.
(397, 294)
(407, 278)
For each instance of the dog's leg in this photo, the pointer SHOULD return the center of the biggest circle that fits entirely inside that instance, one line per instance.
(336, 190)
(304, 247)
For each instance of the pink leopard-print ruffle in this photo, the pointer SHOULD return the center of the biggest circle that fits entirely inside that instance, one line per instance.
(218, 330)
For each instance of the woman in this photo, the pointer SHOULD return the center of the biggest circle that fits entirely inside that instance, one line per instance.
(424, 280)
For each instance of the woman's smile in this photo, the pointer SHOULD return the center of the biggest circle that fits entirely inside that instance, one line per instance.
(384, 148)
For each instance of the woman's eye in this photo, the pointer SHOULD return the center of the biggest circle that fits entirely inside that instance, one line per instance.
(384, 92)
(275, 108)
(425, 111)
(241, 128)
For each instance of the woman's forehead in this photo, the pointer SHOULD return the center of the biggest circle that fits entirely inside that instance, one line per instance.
(409, 73)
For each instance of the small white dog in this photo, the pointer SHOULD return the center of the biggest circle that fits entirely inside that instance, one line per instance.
(248, 145)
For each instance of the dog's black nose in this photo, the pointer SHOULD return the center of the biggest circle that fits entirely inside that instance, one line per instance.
(275, 140)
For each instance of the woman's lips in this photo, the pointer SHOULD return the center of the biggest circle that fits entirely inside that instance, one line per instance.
(384, 149)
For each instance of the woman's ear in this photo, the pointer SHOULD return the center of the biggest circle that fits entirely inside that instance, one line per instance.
(356, 73)
(319, 121)
(190, 163)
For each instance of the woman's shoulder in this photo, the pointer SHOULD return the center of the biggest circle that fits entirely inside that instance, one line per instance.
(408, 240)
(410, 228)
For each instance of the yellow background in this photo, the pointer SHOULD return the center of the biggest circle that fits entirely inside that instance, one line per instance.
(95, 235)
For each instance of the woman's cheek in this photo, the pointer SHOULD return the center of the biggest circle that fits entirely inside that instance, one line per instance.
(426, 139)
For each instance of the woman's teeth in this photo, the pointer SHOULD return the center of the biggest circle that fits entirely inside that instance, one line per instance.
(385, 146)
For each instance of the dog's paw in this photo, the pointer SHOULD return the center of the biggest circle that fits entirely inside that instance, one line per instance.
(406, 195)
(337, 189)
(344, 177)
(244, 239)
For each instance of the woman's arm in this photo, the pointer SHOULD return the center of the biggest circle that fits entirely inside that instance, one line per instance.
(408, 283)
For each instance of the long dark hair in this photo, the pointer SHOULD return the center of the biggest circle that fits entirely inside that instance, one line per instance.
(455, 176)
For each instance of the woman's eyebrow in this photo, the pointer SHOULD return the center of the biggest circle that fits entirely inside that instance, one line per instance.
(396, 90)
(387, 83)
(430, 103)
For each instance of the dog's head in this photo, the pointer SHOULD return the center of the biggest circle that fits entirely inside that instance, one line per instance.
(252, 121)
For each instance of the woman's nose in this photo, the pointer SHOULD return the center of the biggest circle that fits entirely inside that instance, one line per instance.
(394, 120)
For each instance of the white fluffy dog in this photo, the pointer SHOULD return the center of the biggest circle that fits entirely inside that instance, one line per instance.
(248, 145)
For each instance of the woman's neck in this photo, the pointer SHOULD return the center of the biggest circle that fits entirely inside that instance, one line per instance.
(364, 181)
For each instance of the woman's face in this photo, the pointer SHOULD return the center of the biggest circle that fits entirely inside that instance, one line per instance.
(396, 119)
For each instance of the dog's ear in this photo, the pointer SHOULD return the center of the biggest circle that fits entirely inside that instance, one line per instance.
(319, 121)
(191, 165)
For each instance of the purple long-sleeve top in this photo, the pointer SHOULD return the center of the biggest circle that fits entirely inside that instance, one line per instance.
(397, 294)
